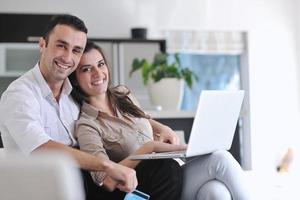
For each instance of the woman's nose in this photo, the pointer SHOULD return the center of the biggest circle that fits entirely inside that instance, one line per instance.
(97, 71)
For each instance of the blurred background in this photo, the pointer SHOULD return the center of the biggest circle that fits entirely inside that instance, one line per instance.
(231, 44)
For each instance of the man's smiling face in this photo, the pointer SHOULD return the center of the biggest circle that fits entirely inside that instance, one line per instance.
(61, 52)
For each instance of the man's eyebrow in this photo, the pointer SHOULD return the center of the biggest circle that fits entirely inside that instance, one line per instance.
(66, 43)
(79, 48)
(62, 41)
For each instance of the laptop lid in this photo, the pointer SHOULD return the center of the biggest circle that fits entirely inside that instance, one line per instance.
(213, 127)
(215, 121)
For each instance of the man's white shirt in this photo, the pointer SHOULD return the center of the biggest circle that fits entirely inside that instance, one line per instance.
(30, 115)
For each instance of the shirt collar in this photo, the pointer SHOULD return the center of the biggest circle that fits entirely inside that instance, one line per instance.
(90, 110)
(45, 89)
(67, 87)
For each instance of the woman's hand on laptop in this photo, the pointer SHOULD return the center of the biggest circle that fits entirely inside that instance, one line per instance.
(163, 133)
(156, 146)
(167, 135)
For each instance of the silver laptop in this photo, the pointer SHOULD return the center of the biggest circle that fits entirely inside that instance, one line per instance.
(213, 127)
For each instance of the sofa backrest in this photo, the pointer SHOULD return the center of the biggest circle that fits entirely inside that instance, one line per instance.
(2, 153)
(40, 176)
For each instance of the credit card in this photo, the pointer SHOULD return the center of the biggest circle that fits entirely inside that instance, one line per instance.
(136, 195)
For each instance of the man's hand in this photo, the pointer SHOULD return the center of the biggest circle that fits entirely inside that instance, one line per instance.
(109, 184)
(122, 177)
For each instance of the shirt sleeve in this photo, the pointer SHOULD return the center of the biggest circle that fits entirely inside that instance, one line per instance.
(89, 140)
(21, 119)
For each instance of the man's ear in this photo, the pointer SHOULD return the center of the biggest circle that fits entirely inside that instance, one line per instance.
(42, 44)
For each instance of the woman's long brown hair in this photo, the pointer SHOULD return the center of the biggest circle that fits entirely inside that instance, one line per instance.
(118, 97)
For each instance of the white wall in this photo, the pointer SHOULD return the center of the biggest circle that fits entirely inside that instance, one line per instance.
(271, 25)
(273, 72)
(298, 40)
(273, 80)
(104, 18)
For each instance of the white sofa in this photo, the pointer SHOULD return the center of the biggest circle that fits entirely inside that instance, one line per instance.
(2, 152)
(39, 177)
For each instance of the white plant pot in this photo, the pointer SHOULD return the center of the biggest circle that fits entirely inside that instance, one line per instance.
(167, 93)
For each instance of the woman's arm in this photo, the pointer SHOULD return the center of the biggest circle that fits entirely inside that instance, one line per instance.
(89, 139)
(149, 147)
(163, 133)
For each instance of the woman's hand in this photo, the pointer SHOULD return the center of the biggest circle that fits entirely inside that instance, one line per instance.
(159, 146)
(163, 133)
(167, 135)
(156, 146)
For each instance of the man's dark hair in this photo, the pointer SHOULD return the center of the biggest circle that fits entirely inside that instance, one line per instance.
(65, 19)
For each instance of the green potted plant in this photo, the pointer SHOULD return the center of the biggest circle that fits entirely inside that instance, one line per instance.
(165, 80)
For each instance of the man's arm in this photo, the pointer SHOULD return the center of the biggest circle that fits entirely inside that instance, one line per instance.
(20, 115)
(85, 160)
(125, 177)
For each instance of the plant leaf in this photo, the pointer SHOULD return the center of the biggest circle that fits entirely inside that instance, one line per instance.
(160, 59)
(177, 59)
(145, 71)
(136, 65)
(160, 68)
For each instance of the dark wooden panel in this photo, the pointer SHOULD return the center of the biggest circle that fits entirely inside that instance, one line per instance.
(18, 27)
(162, 42)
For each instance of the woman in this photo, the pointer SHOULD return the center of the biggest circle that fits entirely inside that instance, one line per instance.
(112, 126)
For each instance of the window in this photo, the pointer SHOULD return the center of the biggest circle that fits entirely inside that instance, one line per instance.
(215, 72)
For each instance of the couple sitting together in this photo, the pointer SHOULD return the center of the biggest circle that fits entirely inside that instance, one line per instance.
(73, 74)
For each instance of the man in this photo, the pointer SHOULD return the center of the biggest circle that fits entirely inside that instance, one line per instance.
(37, 112)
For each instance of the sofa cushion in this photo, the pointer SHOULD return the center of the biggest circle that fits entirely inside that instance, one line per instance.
(39, 176)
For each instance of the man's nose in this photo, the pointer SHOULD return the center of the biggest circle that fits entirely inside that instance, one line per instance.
(67, 56)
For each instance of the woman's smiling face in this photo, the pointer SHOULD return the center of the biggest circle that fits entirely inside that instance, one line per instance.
(92, 73)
